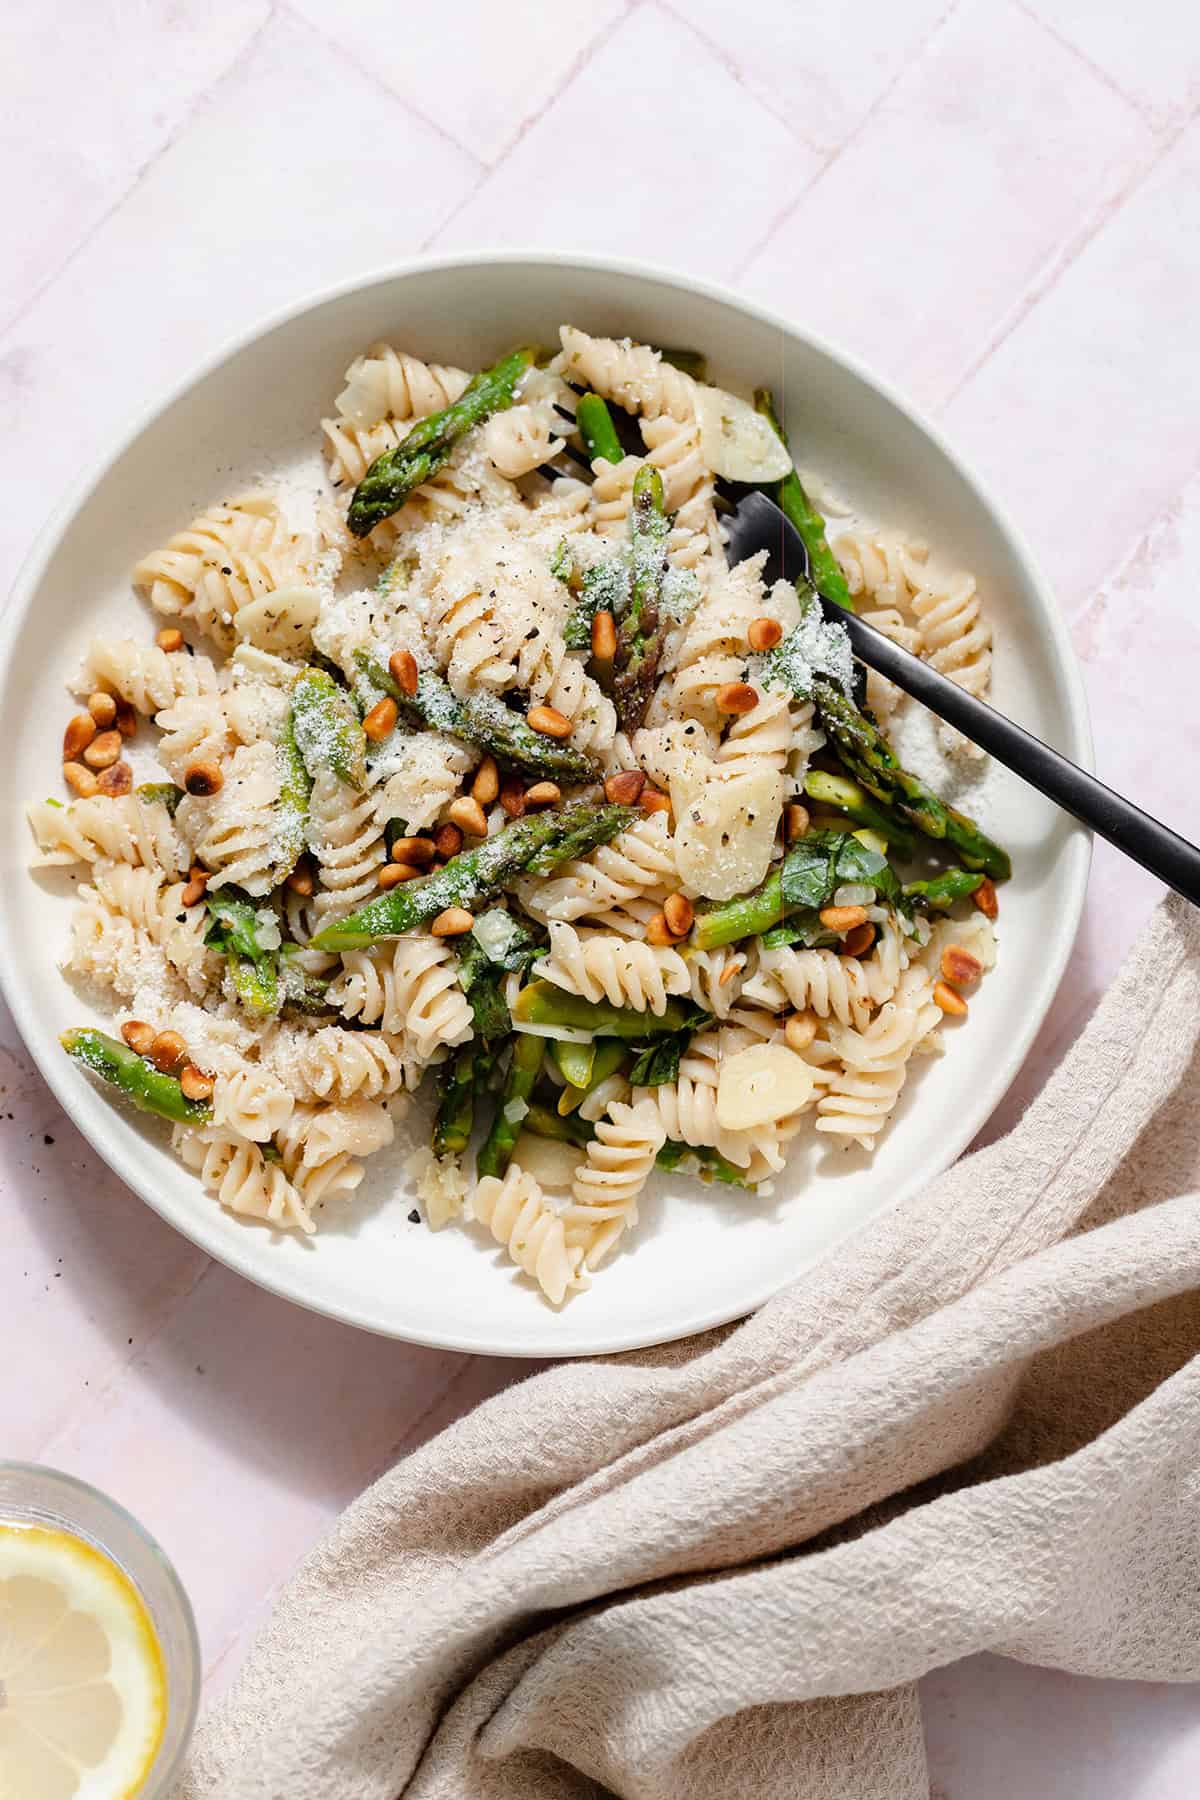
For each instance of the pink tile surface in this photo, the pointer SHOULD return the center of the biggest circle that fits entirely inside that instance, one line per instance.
(994, 201)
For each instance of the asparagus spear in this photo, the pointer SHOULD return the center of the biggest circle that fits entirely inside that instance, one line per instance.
(495, 1153)
(138, 1080)
(943, 890)
(871, 760)
(237, 931)
(541, 1003)
(711, 1164)
(161, 793)
(805, 881)
(639, 633)
(456, 1102)
(599, 434)
(537, 843)
(481, 719)
(790, 497)
(291, 811)
(392, 477)
(605, 1056)
(846, 796)
(325, 729)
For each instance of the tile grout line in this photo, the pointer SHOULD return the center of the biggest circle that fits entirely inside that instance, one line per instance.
(1093, 68)
(185, 118)
(1138, 543)
(303, 23)
(577, 65)
(876, 106)
(732, 69)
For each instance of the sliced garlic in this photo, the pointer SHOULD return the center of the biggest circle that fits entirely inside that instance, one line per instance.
(760, 1086)
(725, 834)
(737, 442)
(551, 1164)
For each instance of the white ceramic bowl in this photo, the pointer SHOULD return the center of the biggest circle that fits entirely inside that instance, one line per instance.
(700, 1256)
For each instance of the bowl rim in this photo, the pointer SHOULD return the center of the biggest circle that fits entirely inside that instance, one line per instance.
(1077, 852)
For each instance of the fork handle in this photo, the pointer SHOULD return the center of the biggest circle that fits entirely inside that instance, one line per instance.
(1146, 840)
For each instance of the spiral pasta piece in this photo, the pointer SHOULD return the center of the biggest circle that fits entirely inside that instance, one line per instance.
(147, 677)
(519, 1216)
(387, 383)
(640, 860)
(520, 440)
(320, 1147)
(409, 987)
(346, 835)
(620, 1159)
(127, 830)
(334, 1065)
(845, 988)
(633, 375)
(862, 1096)
(242, 1179)
(227, 557)
(252, 1102)
(620, 970)
(157, 910)
(233, 831)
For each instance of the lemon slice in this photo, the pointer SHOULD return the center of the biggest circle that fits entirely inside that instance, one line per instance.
(83, 1695)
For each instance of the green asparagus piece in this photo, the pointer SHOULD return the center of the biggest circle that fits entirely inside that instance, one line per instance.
(536, 843)
(603, 588)
(846, 796)
(481, 719)
(794, 503)
(481, 981)
(495, 1153)
(392, 477)
(161, 793)
(541, 1003)
(456, 1103)
(575, 1063)
(325, 728)
(711, 1165)
(236, 931)
(871, 760)
(599, 434)
(941, 891)
(291, 810)
(806, 880)
(608, 1055)
(640, 628)
(747, 916)
(138, 1080)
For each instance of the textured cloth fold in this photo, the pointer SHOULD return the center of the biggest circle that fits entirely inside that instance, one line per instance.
(719, 1567)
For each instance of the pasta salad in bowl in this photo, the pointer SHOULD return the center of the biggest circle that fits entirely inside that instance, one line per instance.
(458, 807)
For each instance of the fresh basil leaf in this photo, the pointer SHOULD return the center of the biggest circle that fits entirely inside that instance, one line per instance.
(802, 928)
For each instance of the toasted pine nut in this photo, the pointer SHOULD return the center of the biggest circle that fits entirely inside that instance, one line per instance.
(763, 633)
(81, 729)
(659, 932)
(103, 750)
(858, 941)
(985, 899)
(452, 923)
(170, 639)
(203, 778)
(960, 966)
(468, 814)
(549, 721)
(800, 1030)
(193, 893)
(448, 841)
(167, 1051)
(393, 873)
(625, 787)
(842, 918)
(679, 913)
(127, 719)
(512, 796)
(103, 709)
(138, 1035)
(652, 801)
(737, 697)
(196, 1085)
(543, 793)
(733, 967)
(116, 780)
(604, 636)
(301, 879)
(402, 667)
(380, 722)
(486, 784)
(948, 1000)
(81, 779)
(417, 852)
(795, 822)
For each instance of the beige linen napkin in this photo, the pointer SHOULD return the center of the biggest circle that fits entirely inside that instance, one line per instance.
(717, 1569)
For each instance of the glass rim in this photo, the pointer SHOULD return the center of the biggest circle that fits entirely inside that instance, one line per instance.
(162, 1774)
